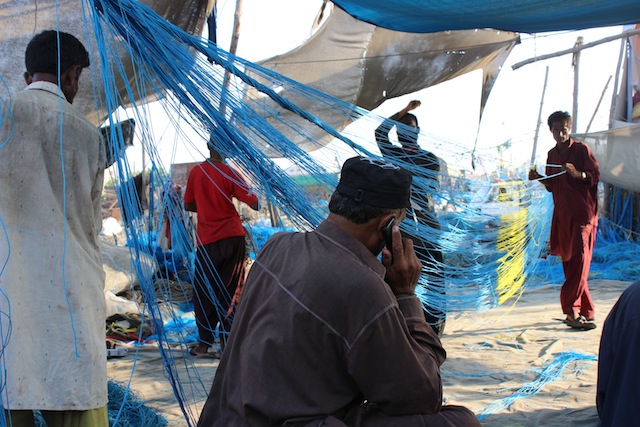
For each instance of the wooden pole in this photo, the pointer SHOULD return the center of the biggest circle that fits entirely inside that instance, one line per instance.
(608, 188)
(576, 78)
(235, 37)
(623, 35)
(233, 47)
(612, 111)
(630, 65)
(598, 106)
(535, 138)
(276, 222)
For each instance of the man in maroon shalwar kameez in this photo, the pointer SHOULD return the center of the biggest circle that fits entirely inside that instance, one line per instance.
(572, 178)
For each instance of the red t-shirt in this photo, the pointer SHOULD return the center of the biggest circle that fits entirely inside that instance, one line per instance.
(212, 187)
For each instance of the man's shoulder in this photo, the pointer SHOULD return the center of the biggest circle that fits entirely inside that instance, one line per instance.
(580, 147)
(429, 155)
(28, 104)
(286, 238)
(48, 100)
(216, 167)
(23, 99)
(203, 168)
(577, 145)
(632, 293)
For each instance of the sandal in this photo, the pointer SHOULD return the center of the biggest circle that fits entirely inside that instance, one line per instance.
(580, 323)
(197, 351)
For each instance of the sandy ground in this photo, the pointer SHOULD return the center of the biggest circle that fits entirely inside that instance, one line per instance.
(494, 354)
(491, 356)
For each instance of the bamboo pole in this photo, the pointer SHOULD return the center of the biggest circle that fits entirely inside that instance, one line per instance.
(576, 79)
(608, 188)
(612, 111)
(235, 37)
(598, 106)
(233, 47)
(535, 138)
(629, 86)
(625, 34)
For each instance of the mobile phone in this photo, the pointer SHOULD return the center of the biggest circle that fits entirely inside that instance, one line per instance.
(387, 233)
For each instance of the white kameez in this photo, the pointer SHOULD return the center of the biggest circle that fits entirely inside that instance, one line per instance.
(51, 276)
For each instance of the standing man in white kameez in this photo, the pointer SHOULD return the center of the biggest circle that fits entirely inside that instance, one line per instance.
(51, 277)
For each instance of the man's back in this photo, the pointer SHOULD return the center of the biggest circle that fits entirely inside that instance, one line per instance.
(314, 306)
(50, 206)
(32, 165)
(212, 187)
(617, 388)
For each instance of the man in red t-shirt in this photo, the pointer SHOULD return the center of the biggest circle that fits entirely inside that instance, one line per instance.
(572, 177)
(220, 257)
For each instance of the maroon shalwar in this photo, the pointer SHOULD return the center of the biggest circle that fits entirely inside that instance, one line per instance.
(574, 223)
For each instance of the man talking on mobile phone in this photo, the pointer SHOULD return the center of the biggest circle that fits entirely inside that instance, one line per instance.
(328, 335)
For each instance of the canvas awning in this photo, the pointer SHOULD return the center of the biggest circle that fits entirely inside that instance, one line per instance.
(20, 20)
(618, 153)
(364, 65)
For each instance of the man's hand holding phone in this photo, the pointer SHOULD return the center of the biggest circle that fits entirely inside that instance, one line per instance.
(402, 264)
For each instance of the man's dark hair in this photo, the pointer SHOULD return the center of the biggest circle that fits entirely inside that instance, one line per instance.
(408, 135)
(357, 212)
(408, 118)
(42, 53)
(559, 116)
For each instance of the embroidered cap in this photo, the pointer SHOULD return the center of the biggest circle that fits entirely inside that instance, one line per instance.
(375, 182)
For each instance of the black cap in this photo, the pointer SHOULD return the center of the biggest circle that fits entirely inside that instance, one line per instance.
(375, 182)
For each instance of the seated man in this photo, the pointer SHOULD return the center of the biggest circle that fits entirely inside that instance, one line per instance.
(618, 392)
(327, 335)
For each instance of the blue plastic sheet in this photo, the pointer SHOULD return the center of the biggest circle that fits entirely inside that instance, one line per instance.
(525, 16)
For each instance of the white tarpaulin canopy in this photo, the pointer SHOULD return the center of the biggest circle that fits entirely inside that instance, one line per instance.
(20, 20)
(364, 65)
(618, 153)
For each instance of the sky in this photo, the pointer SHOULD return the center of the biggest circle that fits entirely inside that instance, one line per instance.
(452, 109)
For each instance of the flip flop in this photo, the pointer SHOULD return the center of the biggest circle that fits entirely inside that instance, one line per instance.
(208, 354)
(193, 351)
(580, 323)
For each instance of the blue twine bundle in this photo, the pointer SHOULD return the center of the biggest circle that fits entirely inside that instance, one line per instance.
(125, 409)
(259, 116)
(551, 372)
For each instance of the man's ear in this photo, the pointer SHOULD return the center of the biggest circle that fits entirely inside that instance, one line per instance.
(28, 78)
(384, 220)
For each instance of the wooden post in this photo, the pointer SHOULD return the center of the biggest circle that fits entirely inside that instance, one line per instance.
(576, 78)
(598, 106)
(612, 112)
(233, 47)
(537, 58)
(608, 188)
(535, 138)
(630, 75)
(276, 222)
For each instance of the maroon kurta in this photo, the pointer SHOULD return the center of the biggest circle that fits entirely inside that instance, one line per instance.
(318, 332)
(574, 223)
